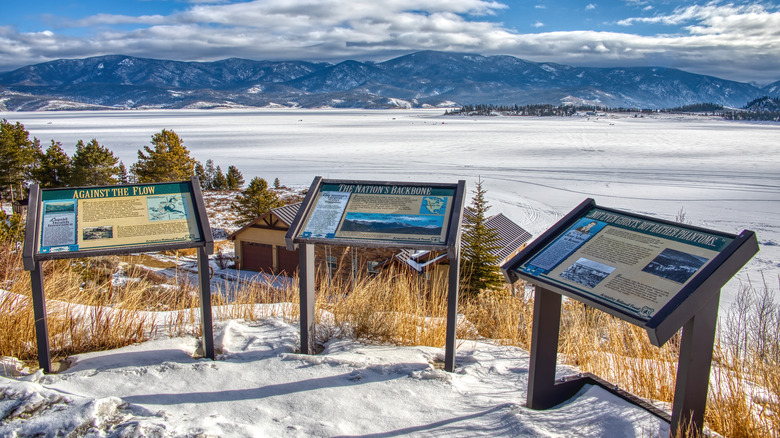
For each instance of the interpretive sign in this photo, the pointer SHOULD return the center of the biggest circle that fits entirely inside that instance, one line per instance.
(378, 214)
(634, 264)
(98, 218)
(122, 219)
(401, 213)
(656, 274)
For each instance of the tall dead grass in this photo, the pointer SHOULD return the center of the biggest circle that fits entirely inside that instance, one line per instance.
(87, 313)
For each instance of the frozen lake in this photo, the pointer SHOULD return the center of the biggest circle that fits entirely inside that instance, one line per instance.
(725, 175)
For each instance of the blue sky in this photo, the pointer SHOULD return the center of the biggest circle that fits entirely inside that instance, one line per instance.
(738, 40)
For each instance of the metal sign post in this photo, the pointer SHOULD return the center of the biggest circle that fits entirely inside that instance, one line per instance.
(115, 220)
(658, 275)
(378, 214)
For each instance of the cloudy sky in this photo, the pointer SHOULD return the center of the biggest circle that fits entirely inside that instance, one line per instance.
(738, 40)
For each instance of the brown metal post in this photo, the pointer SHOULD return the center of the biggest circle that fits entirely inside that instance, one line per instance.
(693, 370)
(452, 313)
(544, 349)
(39, 312)
(306, 293)
(206, 322)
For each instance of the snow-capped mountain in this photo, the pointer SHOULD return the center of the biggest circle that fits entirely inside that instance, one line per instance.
(415, 80)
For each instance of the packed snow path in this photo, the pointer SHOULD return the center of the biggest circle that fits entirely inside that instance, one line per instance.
(260, 387)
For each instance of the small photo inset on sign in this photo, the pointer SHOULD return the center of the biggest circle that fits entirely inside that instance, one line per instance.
(675, 265)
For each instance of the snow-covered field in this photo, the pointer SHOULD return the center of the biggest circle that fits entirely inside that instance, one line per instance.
(724, 175)
(258, 387)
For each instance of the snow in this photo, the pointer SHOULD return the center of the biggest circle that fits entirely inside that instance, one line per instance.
(259, 386)
(725, 175)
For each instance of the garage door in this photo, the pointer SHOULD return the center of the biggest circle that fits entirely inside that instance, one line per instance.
(257, 257)
(288, 261)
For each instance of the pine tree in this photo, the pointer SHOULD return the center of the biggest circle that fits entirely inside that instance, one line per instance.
(209, 174)
(122, 176)
(220, 182)
(17, 157)
(167, 160)
(479, 264)
(254, 201)
(200, 172)
(54, 167)
(235, 180)
(94, 165)
(277, 184)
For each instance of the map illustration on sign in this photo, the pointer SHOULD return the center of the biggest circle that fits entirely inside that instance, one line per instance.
(434, 205)
(166, 208)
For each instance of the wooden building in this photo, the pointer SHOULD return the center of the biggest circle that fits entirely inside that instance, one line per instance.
(260, 246)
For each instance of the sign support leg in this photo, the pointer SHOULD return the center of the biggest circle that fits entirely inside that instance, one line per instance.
(544, 348)
(306, 293)
(39, 312)
(206, 323)
(452, 313)
(543, 391)
(693, 370)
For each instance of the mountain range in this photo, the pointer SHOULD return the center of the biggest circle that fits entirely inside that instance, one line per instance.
(420, 79)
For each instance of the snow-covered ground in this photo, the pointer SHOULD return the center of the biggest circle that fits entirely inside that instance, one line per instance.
(259, 386)
(724, 175)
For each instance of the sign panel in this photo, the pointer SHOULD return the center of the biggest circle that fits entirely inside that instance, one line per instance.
(96, 218)
(384, 212)
(631, 263)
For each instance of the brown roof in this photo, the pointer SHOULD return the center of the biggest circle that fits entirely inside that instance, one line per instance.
(287, 213)
(511, 236)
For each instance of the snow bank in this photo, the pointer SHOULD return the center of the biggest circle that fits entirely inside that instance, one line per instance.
(259, 386)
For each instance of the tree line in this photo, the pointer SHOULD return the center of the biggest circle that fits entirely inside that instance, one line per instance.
(538, 110)
(23, 161)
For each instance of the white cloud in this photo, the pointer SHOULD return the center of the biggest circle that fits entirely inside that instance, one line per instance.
(735, 42)
(590, 7)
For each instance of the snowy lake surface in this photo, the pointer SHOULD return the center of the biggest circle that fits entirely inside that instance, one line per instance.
(724, 175)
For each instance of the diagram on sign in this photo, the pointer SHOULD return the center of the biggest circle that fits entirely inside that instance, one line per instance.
(166, 208)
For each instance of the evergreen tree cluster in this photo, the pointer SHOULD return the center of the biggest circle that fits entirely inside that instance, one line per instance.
(541, 110)
(697, 108)
(762, 109)
(212, 178)
(23, 161)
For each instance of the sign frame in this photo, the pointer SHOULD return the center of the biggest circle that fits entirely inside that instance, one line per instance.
(451, 245)
(32, 257)
(693, 308)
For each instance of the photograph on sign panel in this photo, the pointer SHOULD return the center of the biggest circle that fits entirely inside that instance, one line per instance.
(59, 207)
(94, 233)
(166, 208)
(392, 224)
(675, 265)
(587, 272)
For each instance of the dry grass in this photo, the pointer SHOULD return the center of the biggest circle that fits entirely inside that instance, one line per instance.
(87, 313)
